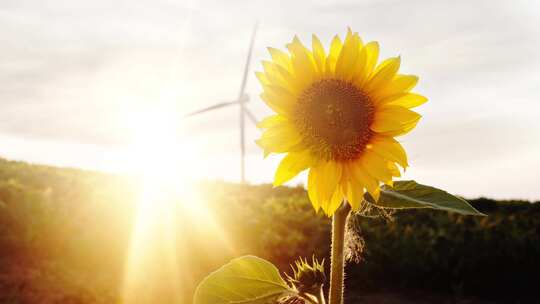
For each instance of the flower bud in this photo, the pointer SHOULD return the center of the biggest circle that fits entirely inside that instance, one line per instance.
(308, 277)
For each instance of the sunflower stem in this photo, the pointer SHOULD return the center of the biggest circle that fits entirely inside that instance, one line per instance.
(339, 223)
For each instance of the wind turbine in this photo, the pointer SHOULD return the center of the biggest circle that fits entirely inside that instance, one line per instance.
(241, 101)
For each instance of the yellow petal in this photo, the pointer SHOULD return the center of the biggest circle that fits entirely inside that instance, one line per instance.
(278, 99)
(404, 130)
(318, 54)
(358, 70)
(271, 121)
(394, 170)
(371, 53)
(400, 84)
(406, 100)
(360, 43)
(388, 148)
(291, 165)
(328, 176)
(303, 66)
(383, 75)
(312, 189)
(364, 178)
(262, 78)
(278, 76)
(275, 104)
(347, 57)
(354, 192)
(372, 50)
(335, 201)
(280, 91)
(274, 76)
(280, 58)
(393, 118)
(335, 50)
(349, 33)
(279, 139)
(376, 166)
(293, 84)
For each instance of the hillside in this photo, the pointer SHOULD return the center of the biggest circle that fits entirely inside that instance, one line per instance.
(65, 236)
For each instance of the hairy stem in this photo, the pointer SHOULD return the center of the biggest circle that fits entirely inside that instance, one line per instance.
(339, 223)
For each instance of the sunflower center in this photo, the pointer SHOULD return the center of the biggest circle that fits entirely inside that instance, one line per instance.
(333, 117)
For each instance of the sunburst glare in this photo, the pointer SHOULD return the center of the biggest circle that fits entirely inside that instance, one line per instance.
(168, 205)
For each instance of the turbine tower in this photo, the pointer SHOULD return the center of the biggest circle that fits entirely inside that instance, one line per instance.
(241, 101)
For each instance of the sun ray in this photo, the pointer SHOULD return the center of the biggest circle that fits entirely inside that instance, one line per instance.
(168, 211)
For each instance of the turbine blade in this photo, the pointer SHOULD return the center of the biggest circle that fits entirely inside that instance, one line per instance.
(214, 107)
(250, 116)
(248, 61)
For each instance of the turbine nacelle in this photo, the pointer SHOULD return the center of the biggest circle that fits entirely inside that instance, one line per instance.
(244, 98)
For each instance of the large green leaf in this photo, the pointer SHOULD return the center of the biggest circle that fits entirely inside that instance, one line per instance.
(245, 280)
(410, 194)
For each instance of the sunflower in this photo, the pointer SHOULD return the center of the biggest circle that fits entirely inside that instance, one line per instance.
(337, 114)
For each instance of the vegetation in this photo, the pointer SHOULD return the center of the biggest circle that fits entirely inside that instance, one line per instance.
(65, 235)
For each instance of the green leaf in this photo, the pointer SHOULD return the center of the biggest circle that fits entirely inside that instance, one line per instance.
(410, 194)
(245, 280)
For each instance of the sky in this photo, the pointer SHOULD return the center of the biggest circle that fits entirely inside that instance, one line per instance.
(81, 80)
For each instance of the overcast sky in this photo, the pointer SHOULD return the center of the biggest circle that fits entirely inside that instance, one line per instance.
(72, 71)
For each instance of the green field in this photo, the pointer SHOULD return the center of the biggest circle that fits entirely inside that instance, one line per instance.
(65, 236)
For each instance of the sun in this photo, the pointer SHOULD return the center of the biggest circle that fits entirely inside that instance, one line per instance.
(161, 159)
(155, 153)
